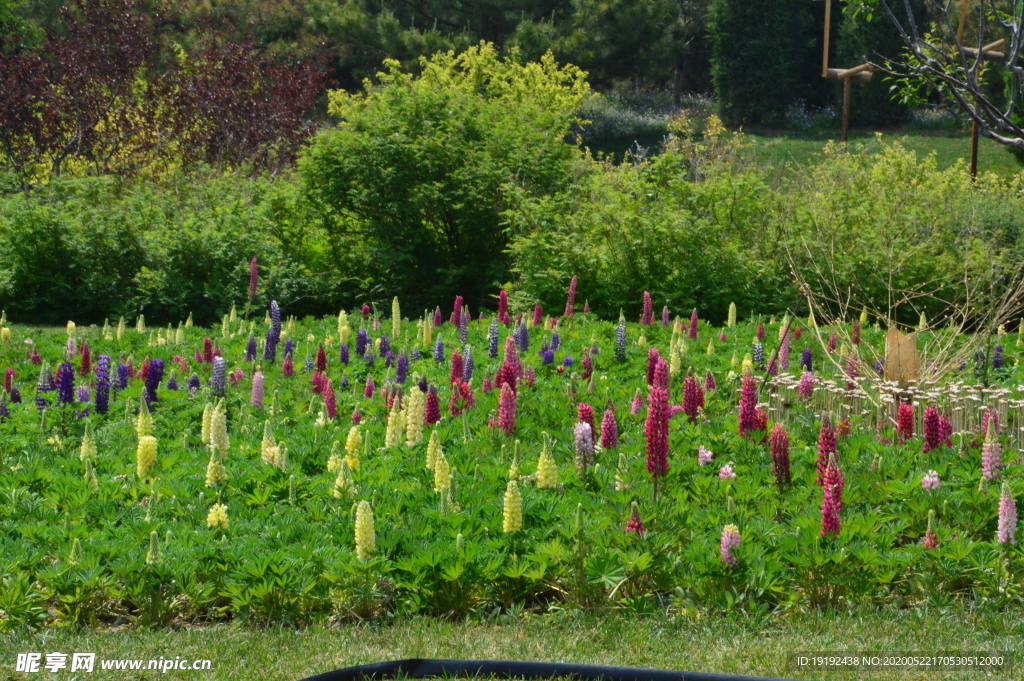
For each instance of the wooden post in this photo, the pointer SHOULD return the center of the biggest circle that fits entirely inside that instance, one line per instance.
(974, 143)
(846, 108)
(828, 20)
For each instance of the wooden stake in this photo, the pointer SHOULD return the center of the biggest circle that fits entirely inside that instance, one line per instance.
(846, 108)
(828, 20)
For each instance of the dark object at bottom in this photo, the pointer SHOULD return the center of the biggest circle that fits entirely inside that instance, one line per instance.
(420, 669)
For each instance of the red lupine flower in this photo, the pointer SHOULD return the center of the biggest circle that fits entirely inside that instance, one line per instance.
(437, 316)
(207, 351)
(652, 363)
(181, 362)
(198, 356)
(780, 454)
(843, 428)
(856, 332)
(585, 414)
(538, 315)
(357, 418)
(330, 401)
(432, 410)
(690, 400)
(506, 374)
(661, 378)
(216, 352)
(318, 382)
(905, 421)
(634, 524)
(760, 332)
(832, 499)
(321, 359)
(797, 332)
(507, 410)
(932, 435)
(144, 371)
(9, 379)
(503, 317)
(693, 324)
(462, 398)
(457, 368)
(456, 311)
(85, 365)
(609, 430)
(945, 430)
(487, 386)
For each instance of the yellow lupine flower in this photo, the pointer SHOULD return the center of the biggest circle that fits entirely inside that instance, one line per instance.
(674, 360)
(215, 471)
(207, 420)
(811, 321)
(219, 429)
(335, 458)
(217, 518)
(143, 424)
(145, 456)
(621, 472)
(512, 510)
(355, 440)
(396, 319)
(268, 447)
(179, 335)
(711, 348)
(415, 403)
(107, 335)
(547, 472)
(428, 329)
(71, 328)
(642, 340)
(747, 366)
(393, 434)
(140, 324)
(5, 335)
(732, 314)
(88, 449)
(153, 555)
(365, 538)
(120, 328)
(343, 484)
(442, 473)
(863, 316)
(188, 322)
(433, 449)
(734, 362)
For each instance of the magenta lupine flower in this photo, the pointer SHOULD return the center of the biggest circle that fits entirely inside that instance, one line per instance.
(432, 410)
(760, 332)
(661, 378)
(784, 352)
(730, 540)
(507, 410)
(609, 430)
(856, 332)
(457, 369)
(1007, 529)
(288, 366)
(780, 454)
(256, 394)
(503, 308)
(665, 321)
(207, 351)
(652, 362)
(330, 400)
(571, 298)
(634, 524)
(675, 409)
(586, 365)
(832, 500)
(932, 437)
(693, 324)
(529, 376)
(486, 386)
(357, 418)
(710, 383)
(991, 453)
(851, 371)
(637, 403)
(585, 414)
(321, 359)
(538, 315)
(456, 311)
(945, 430)
(704, 455)
(930, 481)
(832, 343)
(583, 438)
(690, 404)
(647, 315)
(506, 376)
(773, 367)
(905, 421)
(438, 320)
(9, 379)
(253, 279)
(511, 356)
(726, 472)
(748, 405)
(805, 388)
(370, 387)
(722, 337)
(85, 360)
(826, 447)
(656, 432)
(365, 311)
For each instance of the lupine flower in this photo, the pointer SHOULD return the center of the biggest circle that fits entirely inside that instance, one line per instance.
(153, 377)
(693, 324)
(9, 375)
(930, 481)
(523, 339)
(656, 432)
(102, 384)
(368, 358)
(856, 333)
(571, 298)
(997, 357)
(422, 384)
(217, 518)
(759, 334)
(288, 366)
(439, 351)
(455, 374)
(437, 321)
(726, 472)
(207, 350)
(256, 394)
(634, 524)
(65, 383)
(730, 540)
(365, 537)
(343, 353)
(690, 400)
(384, 346)
(784, 351)
(832, 499)
(218, 380)
(758, 357)
(647, 316)
(456, 311)
(512, 509)
(991, 453)
(583, 438)
(637, 404)
(805, 360)
(664, 317)
(82, 393)
(945, 430)
(989, 415)
(556, 340)
(905, 421)
(652, 363)
(432, 410)
(609, 430)
(462, 398)
(780, 454)
(567, 362)
(85, 363)
(748, 405)
(321, 359)
(731, 318)
(362, 341)
(492, 339)
(503, 308)
(253, 279)
(931, 540)
(826, 447)
(330, 401)
(145, 456)
(620, 341)
(1006, 533)
(585, 414)
(467, 368)
(507, 410)
(172, 382)
(932, 439)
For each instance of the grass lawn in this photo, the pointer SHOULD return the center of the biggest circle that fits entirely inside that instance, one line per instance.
(785, 149)
(714, 644)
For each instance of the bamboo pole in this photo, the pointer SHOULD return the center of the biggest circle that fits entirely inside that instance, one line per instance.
(846, 108)
(828, 21)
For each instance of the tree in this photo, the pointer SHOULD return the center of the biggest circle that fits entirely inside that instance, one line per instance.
(418, 165)
(943, 54)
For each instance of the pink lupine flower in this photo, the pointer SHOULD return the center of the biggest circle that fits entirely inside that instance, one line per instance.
(693, 324)
(609, 430)
(288, 366)
(237, 376)
(805, 389)
(538, 315)
(1006, 533)
(991, 453)
(665, 321)
(256, 394)
(726, 472)
(704, 455)
(637, 403)
(930, 481)
(826, 447)
(648, 310)
(748, 405)
(780, 454)
(656, 432)
(832, 500)
(634, 524)
(730, 540)
(330, 401)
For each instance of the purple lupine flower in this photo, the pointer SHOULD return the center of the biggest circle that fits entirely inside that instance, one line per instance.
(102, 384)
(218, 380)
(193, 385)
(593, 349)
(250, 349)
(289, 347)
(805, 360)
(122, 377)
(555, 341)
(153, 378)
(492, 339)
(369, 358)
(344, 383)
(439, 351)
(82, 393)
(880, 366)
(343, 353)
(275, 318)
(389, 359)
(308, 365)
(172, 382)
(416, 355)
(65, 383)
(362, 340)
(402, 368)
(463, 327)
(422, 384)
(997, 357)
(4, 411)
(524, 337)
(567, 362)
(385, 345)
(467, 366)
(270, 347)
(759, 355)
(15, 395)
(620, 341)
(547, 357)
(664, 317)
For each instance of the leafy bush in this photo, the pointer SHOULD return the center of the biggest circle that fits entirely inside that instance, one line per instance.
(418, 165)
